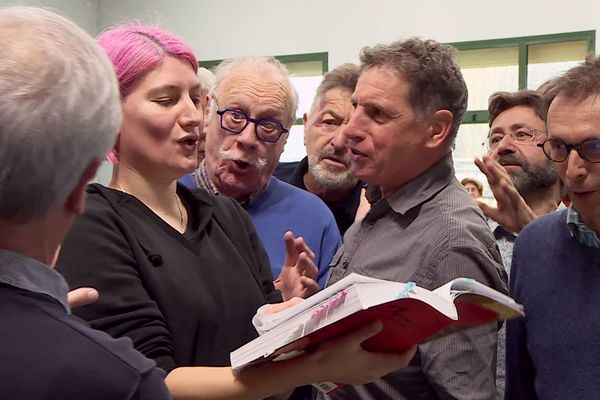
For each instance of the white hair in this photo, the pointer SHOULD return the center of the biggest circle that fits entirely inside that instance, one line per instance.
(206, 79)
(59, 109)
(223, 70)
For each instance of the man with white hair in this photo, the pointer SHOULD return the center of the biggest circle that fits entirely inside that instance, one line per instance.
(52, 140)
(252, 106)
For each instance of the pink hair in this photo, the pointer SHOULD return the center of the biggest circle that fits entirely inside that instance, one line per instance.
(135, 50)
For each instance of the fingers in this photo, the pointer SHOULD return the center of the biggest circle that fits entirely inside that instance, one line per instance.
(273, 308)
(309, 287)
(291, 252)
(306, 266)
(365, 332)
(488, 211)
(82, 296)
(301, 246)
(365, 366)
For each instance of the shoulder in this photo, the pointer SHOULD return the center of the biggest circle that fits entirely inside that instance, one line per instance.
(92, 355)
(545, 236)
(458, 219)
(300, 197)
(546, 224)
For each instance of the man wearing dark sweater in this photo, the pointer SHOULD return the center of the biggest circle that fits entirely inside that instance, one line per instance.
(325, 171)
(553, 352)
(52, 140)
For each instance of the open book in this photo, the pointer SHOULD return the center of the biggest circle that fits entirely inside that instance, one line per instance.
(409, 313)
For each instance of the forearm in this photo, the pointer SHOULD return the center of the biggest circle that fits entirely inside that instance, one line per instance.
(261, 381)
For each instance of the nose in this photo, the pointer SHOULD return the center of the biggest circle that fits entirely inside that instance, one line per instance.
(339, 141)
(354, 130)
(577, 167)
(191, 116)
(505, 146)
(247, 138)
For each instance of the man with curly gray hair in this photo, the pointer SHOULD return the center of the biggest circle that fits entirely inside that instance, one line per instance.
(408, 104)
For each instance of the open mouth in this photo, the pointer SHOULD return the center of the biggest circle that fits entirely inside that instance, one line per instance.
(241, 164)
(355, 154)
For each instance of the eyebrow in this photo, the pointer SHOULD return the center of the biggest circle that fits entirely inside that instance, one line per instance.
(333, 114)
(512, 128)
(169, 88)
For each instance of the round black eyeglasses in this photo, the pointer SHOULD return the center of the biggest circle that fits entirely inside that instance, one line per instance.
(235, 121)
(558, 151)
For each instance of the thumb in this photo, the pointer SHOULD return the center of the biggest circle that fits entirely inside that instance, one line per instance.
(488, 211)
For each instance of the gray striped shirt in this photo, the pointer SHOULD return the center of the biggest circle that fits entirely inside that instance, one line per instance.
(429, 231)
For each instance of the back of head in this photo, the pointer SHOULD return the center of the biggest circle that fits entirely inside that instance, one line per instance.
(502, 101)
(261, 64)
(137, 49)
(55, 117)
(429, 68)
(206, 78)
(343, 77)
(578, 83)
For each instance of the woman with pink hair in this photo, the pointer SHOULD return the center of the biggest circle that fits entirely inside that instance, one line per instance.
(182, 272)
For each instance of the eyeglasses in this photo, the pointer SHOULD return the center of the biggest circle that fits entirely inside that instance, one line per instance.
(235, 121)
(522, 135)
(558, 151)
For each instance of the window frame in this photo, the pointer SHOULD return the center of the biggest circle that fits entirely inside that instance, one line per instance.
(523, 43)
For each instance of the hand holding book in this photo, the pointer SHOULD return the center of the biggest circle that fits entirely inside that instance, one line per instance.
(409, 313)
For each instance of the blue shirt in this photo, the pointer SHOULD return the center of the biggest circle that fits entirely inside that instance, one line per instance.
(280, 207)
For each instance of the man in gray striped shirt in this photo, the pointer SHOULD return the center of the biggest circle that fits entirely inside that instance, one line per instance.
(409, 102)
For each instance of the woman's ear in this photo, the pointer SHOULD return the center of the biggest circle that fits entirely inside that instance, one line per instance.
(113, 154)
(441, 125)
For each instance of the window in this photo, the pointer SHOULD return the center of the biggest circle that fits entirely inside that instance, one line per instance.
(510, 64)
(306, 72)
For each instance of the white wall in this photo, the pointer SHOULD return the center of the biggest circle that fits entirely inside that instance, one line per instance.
(83, 12)
(219, 29)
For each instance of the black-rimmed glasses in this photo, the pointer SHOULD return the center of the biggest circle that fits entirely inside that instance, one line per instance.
(235, 121)
(521, 135)
(558, 151)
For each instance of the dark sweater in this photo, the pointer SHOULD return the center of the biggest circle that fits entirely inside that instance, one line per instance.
(553, 353)
(49, 354)
(344, 210)
(183, 299)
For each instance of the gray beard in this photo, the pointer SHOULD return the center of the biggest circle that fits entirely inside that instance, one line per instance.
(331, 180)
(534, 177)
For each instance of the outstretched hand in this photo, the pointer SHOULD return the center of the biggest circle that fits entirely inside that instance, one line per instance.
(343, 359)
(299, 272)
(512, 211)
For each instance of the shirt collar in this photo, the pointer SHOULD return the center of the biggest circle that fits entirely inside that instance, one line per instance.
(25, 273)
(423, 187)
(501, 232)
(297, 176)
(203, 181)
(579, 230)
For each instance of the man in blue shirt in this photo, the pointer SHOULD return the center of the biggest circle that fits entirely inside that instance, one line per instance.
(252, 106)
(553, 352)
